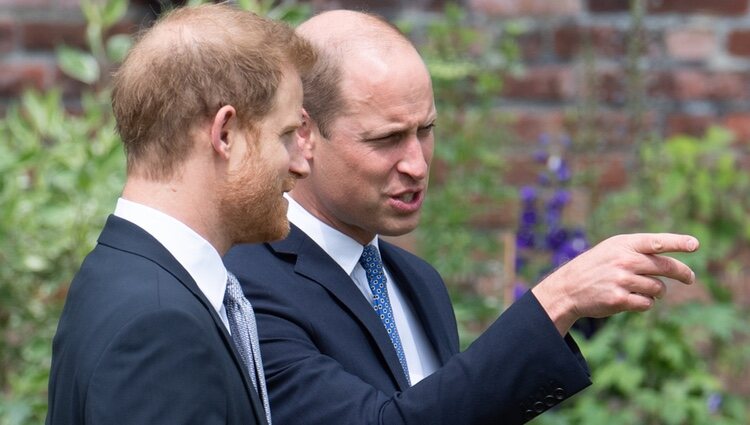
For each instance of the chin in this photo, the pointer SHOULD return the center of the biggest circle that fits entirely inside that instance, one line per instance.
(399, 230)
(267, 231)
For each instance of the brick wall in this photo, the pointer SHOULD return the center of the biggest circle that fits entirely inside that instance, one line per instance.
(696, 67)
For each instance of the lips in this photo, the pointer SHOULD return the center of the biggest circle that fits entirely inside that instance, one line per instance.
(406, 197)
(407, 202)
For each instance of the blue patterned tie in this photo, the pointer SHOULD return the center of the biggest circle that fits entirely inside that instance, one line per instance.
(373, 266)
(245, 335)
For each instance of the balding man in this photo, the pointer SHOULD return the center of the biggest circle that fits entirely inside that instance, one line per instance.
(356, 331)
(154, 330)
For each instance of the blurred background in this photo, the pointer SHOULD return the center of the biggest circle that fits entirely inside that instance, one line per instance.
(561, 123)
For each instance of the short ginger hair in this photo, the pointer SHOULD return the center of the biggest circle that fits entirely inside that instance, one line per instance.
(187, 66)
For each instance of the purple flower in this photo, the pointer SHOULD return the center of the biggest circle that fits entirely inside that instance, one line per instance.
(556, 237)
(714, 402)
(520, 262)
(559, 199)
(528, 194)
(552, 217)
(528, 218)
(563, 172)
(540, 156)
(544, 139)
(578, 242)
(543, 179)
(524, 238)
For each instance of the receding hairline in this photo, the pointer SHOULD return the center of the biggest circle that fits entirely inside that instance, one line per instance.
(338, 33)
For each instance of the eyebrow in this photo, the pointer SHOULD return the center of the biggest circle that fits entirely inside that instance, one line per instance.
(394, 130)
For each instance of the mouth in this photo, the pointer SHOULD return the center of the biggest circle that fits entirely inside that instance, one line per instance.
(407, 197)
(407, 202)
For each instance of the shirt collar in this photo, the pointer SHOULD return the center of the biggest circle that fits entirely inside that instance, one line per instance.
(195, 254)
(344, 250)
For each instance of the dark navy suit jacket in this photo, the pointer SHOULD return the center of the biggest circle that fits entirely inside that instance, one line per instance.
(329, 361)
(138, 343)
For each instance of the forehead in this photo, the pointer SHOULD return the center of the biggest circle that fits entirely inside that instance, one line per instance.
(378, 90)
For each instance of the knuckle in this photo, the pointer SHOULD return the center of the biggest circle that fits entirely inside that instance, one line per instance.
(657, 244)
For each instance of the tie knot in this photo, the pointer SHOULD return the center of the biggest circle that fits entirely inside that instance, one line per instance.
(370, 258)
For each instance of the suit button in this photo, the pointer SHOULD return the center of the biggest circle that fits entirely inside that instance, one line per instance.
(539, 407)
(559, 393)
(530, 413)
(550, 401)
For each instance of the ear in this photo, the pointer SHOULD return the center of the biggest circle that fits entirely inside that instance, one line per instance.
(307, 134)
(223, 125)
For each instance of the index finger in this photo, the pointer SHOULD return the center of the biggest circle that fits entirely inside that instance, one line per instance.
(657, 243)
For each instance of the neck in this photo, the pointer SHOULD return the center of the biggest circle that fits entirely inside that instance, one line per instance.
(186, 201)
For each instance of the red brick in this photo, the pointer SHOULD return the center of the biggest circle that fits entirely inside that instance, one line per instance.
(605, 41)
(17, 75)
(685, 84)
(27, 3)
(532, 46)
(714, 7)
(610, 85)
(693, 44)
(609, 6)
(609, 130)
(526, 8)
(7, 36)
(520, 169)
(690, 124)
(528, 125)
(739, 123)
(48, 35)
(542, 83)
(739, 43)
(609, 170)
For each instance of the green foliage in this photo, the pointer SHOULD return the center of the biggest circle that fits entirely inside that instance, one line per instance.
(647, 369)
(62, 171)
(288, 11)
(688, 185)
(61, 175)
(90, 66)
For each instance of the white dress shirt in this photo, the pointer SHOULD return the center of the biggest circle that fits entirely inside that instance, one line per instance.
(421, 358)
(195, 254)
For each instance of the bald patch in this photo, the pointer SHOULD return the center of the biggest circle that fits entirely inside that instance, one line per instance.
(345, 31)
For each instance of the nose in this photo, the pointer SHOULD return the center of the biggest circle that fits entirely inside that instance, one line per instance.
(416, 158)
(298, 165)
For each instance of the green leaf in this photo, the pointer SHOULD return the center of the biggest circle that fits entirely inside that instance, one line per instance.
(118, 46)
(113, 11)
(78, 64)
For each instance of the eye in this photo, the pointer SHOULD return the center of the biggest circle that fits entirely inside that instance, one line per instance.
(388, 138)
(425, 131)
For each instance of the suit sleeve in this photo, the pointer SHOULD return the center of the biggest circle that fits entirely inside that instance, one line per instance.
(517, 369)
(159, 369)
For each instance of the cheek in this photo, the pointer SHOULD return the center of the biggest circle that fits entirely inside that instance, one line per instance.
(428, 148)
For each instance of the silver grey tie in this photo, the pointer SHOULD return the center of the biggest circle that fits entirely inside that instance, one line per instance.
(245, 335)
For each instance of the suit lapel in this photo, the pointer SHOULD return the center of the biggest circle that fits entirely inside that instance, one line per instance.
(315, 264)
(421, 298)
(124, 235)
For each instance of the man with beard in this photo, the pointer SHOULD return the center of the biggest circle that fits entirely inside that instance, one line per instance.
(154, 329)
(357, 331)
